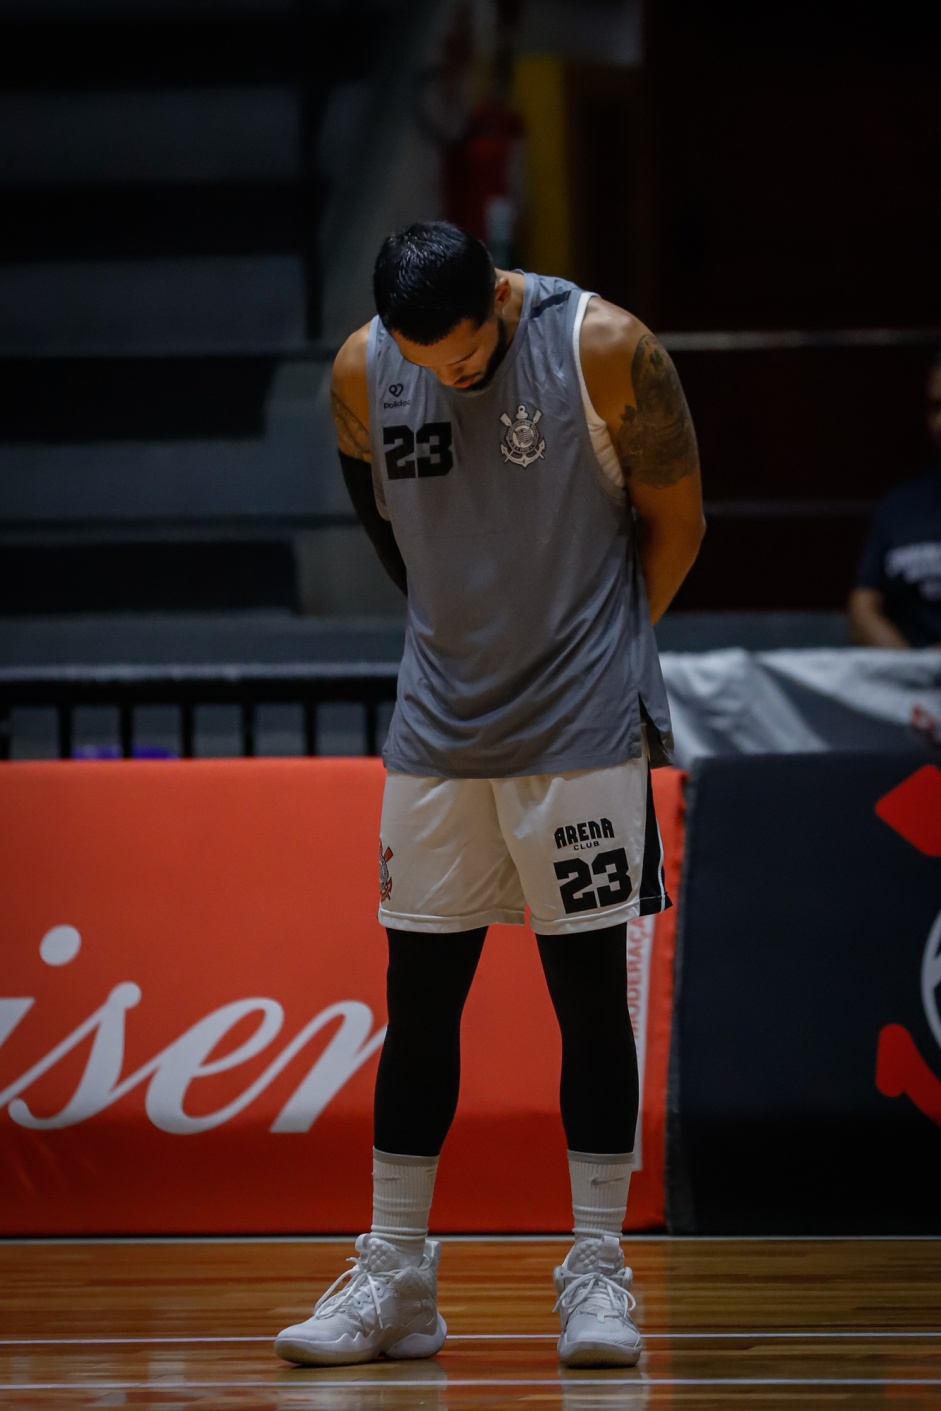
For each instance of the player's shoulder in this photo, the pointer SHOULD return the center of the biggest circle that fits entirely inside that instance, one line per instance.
(610, 338)
(349, 395)
(610, 331)
(349, 365)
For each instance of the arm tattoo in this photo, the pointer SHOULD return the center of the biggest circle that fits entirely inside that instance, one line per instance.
(352, 435)
(656, 443)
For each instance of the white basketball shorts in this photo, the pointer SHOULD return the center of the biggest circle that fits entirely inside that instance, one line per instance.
(581, 849)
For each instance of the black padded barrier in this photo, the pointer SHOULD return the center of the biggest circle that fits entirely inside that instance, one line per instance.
(805, 924)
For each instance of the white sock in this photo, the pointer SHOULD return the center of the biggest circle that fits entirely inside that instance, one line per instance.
(402, 1187)
(599, 1192)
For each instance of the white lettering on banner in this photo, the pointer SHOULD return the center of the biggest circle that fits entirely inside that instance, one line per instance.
(11, 1012)
(347, 1051)
(173, 1069)
(639, 954)
(350, 1048)
(183, 1061)
(101, 1071)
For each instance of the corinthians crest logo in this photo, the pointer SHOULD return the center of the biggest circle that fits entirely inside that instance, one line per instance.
(522, 443)
(385, 876)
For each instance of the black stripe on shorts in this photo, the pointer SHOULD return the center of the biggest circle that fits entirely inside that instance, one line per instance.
(653, 889)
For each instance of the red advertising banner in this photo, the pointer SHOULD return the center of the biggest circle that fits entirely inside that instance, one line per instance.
(192, 1004)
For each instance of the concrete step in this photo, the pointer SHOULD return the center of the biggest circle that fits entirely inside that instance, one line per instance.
(277, 459)
(206, 639)
(234, 304)
(145, 221)
(234, 133)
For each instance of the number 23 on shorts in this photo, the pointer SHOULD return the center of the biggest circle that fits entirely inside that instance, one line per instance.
(577, 878)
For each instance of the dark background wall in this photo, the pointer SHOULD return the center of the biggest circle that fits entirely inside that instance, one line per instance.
(165, 170)
(797, 149)
(774, 169)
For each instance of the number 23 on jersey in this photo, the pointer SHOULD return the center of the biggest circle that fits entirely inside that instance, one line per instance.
(422, 453)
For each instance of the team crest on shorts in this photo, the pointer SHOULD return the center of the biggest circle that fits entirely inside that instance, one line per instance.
(385, 876)
(522, 443)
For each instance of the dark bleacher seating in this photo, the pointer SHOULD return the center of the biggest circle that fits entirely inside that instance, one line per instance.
(160, 295)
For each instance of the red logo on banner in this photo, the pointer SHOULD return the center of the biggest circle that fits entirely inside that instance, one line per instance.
(913, 809)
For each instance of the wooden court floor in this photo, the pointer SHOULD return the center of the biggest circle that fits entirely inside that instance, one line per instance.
(728, 1324)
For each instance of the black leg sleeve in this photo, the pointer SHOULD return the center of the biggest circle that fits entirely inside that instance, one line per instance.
(587, 978)
(419, 1076)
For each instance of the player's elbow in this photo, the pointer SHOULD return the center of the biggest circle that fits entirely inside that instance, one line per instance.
(693, 531)
(679, 535)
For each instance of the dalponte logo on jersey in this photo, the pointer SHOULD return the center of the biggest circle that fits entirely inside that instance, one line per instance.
(169, 1074)
(913, 809)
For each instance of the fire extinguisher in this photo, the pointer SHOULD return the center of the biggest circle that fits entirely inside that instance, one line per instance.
(482, 178)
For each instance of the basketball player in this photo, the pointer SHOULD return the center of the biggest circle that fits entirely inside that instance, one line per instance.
(522, 456)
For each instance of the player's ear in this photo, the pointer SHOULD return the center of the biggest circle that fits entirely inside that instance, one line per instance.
(502, 291)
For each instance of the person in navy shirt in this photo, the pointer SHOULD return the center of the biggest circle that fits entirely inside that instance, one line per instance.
(897, 600)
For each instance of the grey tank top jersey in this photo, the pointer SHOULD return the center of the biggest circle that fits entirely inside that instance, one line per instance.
(528, 645)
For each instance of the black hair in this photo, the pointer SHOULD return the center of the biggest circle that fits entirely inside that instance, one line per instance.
(431, 276)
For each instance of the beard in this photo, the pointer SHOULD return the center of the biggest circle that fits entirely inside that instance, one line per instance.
(493, 362)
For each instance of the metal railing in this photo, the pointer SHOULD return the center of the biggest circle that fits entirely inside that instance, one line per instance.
(126, 688)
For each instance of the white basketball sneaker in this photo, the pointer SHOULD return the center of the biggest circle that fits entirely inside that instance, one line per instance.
(595, 1305)
(388, 1309)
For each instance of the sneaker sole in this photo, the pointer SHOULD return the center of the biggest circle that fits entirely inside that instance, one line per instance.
(303, 1356)
(600, 1354)
(415, 1345)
